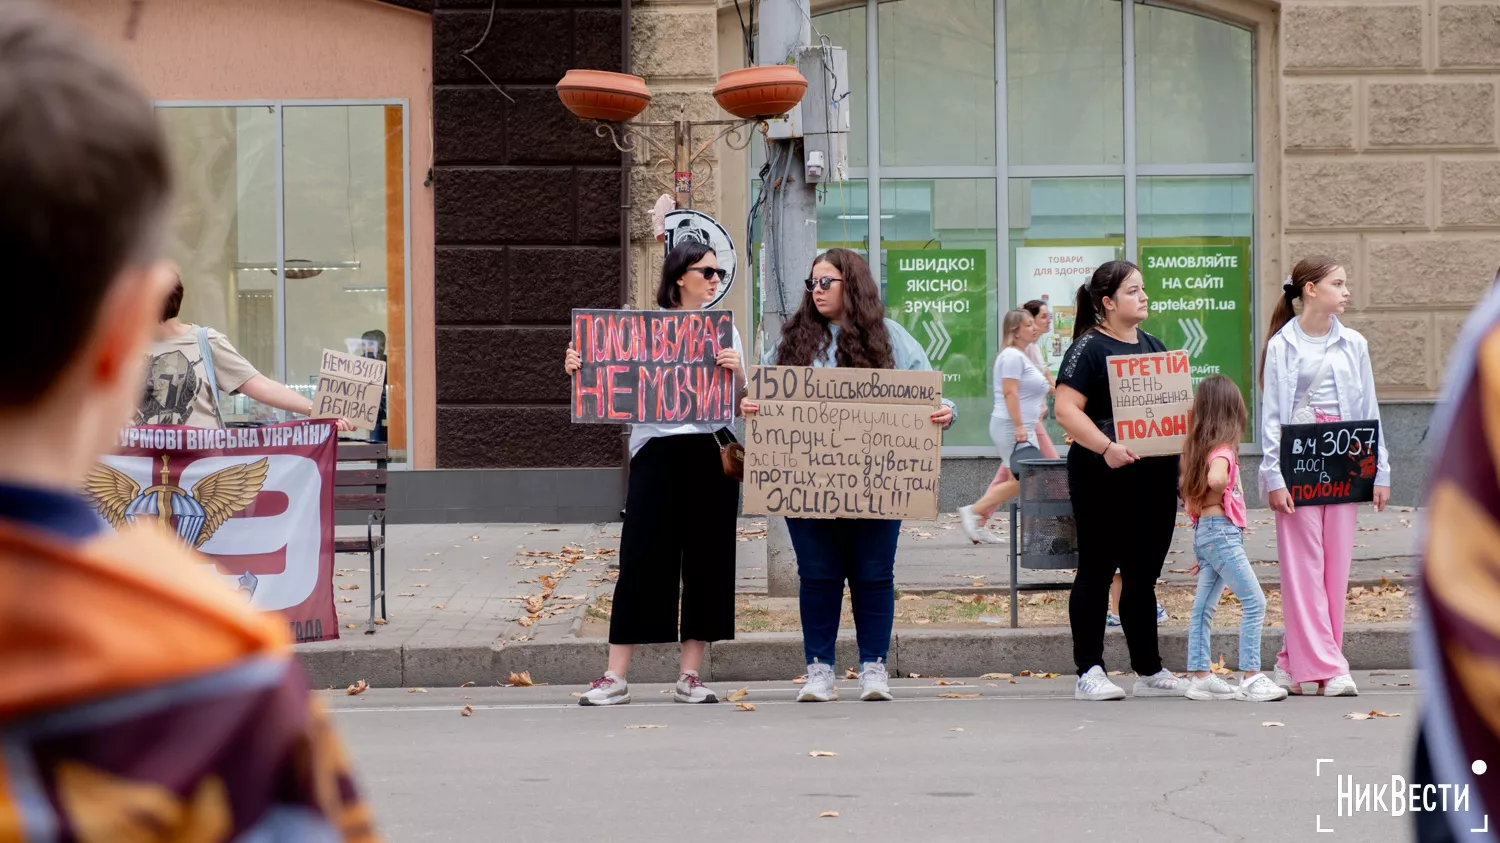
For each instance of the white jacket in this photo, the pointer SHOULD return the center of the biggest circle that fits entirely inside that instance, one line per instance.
(1355, 383)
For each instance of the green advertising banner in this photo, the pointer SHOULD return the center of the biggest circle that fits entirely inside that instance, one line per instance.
(1200, 303)
(941, 297)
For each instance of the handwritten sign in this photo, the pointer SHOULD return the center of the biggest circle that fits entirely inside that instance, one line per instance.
(843, 443)
(349, 387)
(652, 366)
(1152, 396)
(1331, 462)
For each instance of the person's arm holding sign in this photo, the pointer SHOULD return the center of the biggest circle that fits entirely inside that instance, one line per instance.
(273, 394)
(1085, 434)
(1278, 497)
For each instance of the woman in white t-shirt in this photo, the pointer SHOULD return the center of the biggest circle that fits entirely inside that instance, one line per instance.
(1021, 389)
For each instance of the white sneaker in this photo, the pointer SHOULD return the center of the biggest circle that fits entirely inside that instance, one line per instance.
(1341, 686)
(690, 689)
(1259, 688)
(1095, 686)
(969, 520)
(608, 689)
(1164, 683)
(874, 682)
(1210, 687)
(1284, 680)
(820, 686)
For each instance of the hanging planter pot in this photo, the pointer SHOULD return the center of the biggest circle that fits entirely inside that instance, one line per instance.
(601, 95)
(769, 91)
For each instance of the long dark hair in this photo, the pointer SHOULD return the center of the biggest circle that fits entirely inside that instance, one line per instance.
(669, 293)
(1309, 270)
(1219, 417)
(1105, 283)
(1034, 307)
(864, 342)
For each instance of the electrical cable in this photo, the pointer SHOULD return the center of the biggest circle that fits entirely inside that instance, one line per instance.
(464, 54)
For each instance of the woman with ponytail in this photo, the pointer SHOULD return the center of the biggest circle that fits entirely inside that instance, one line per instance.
(1314, 369)
(1125, 506)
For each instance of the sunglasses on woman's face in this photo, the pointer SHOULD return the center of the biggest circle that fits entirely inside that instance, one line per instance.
(709, 273)
(825, 282)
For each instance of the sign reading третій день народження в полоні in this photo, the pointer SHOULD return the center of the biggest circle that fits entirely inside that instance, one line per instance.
(1152, 398)
(843, 443)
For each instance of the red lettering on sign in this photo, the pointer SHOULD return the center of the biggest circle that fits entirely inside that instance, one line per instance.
(610, 372)
(684, 383)
(1177, 363)
(582, 392)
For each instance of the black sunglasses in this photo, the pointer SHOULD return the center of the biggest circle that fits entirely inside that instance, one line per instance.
(825, 282)
(709, 273)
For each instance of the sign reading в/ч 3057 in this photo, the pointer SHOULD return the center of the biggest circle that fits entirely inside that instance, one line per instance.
(1152, 395)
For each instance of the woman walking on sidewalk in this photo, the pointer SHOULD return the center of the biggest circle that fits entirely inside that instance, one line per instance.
(1125, 506)
(1215, 500)
(679, 519)
(841, 322)
(1314, 369)
(1020, 398)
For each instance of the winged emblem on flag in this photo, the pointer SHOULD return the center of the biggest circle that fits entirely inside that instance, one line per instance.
(194, 516)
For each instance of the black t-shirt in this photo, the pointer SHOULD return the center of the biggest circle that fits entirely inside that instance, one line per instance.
(1083, 369)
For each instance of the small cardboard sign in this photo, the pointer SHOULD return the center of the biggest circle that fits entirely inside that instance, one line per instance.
(1152, 395)
(349, 387)
(843, 443)
(652, 366)
(1331, 462)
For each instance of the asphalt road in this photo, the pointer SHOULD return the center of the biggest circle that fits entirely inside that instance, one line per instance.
(1021, 762)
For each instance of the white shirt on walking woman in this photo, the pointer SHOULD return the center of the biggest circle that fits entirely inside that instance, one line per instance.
(1012, 364)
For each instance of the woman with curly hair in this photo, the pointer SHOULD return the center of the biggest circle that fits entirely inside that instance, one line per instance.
(841, 322)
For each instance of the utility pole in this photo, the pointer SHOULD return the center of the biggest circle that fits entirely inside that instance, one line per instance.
(790, 226)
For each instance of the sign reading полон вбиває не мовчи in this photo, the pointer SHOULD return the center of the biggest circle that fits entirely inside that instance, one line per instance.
(1330, 462)
(652, 366)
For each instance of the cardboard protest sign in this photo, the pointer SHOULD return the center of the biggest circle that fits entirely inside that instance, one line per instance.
(1152, 395)
(1331, 462)
(843, 443)
(652, 366)
(349, 387)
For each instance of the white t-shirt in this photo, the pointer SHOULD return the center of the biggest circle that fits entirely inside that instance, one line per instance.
(1013, 364)
(1311, 352)
(640, 434)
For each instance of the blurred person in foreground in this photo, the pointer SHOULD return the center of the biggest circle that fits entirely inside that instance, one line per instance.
(142, 700)
(1457, 629)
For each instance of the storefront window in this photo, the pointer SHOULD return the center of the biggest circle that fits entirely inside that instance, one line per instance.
(1191, 73)
(328, 271)
(1064, 74)
(937, 82)
(938, 270)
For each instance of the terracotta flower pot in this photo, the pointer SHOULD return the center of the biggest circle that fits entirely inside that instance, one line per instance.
(601, 95)
(760, 91)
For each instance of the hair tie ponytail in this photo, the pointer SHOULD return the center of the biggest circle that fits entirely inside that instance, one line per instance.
(1288, 289)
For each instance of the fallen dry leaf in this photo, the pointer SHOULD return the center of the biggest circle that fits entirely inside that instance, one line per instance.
(439, 606)
(577, 693)
(851, 673)
(645, 726)
(346, 599)
(351, 626)
(1178, 570)
(467, 685)
(1117, 673)
(520, 680)
(822, 753)
(357, 688)
(949, 682)
(910, 597)
(921, 621)
(829, 815)
(1356, 715)
(416, 690)
(406, 594)
(467, 711)
(799, 680)
(996, 676)
(736, 696)
(913, 676)
(955, 730)
(381, 621)
(744, 706)
(349, 586)
(957, 696)
(1273, 723)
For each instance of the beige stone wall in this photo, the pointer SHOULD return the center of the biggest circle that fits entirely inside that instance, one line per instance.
(1392, 165)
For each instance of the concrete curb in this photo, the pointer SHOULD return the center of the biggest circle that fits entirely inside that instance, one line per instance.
(761, 656)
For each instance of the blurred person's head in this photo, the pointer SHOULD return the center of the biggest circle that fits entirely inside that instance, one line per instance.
(85, 186)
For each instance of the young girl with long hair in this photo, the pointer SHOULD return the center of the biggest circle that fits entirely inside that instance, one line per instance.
(1124, 506)
(841, 322)
(1020, 396)
(1215, 500)
(1315, 368)
(670, 545)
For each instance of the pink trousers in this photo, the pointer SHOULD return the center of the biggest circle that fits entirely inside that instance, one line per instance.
(1316, 547)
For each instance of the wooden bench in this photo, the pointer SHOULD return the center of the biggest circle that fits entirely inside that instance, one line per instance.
(373, 503)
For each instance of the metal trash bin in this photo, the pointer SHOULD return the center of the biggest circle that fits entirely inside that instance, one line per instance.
(1043, 534)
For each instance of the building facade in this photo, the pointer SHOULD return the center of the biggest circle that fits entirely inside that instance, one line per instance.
(400, 176)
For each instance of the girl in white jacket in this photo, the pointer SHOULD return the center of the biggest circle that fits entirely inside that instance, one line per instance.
(1315, 360)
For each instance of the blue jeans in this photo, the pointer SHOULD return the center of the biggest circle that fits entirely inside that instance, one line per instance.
(1220, 548)
(831, 551)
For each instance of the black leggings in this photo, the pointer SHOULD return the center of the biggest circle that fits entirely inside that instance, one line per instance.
(679, 529)
(1125, 518)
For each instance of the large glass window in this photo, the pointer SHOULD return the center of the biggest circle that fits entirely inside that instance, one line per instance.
(290, 228)
(1094, 158)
